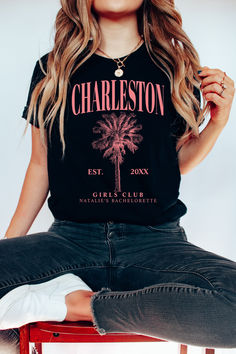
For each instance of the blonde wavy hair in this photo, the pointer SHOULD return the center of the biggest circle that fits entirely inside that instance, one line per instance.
(167, 44)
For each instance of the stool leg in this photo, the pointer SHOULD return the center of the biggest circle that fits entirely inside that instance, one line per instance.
(210, 351)
(24, 339)
(183, 349)
(37, 348)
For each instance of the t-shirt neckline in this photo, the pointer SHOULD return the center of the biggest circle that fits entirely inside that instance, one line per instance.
(135, 51)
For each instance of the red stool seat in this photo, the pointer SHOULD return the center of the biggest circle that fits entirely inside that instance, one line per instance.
(77, 332)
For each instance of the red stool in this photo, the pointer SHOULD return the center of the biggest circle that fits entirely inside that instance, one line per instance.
(77, 332)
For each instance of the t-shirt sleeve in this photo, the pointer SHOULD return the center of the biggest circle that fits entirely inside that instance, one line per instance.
(37, 76)
(179, 124)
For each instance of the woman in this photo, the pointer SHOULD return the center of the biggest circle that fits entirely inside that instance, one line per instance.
(115, 114)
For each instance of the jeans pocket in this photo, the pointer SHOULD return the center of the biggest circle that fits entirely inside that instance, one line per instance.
(58, 223)
(169, 228)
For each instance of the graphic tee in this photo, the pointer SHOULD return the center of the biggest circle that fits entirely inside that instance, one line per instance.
(120, 133)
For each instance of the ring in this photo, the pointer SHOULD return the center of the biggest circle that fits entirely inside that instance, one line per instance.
(222, 82)
(223, 86)
(221, 94)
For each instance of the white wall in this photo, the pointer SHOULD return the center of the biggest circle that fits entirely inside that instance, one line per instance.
(26, 33)
(209, 191)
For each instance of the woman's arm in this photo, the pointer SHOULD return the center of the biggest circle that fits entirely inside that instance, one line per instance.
(196, 149)
(34, 190)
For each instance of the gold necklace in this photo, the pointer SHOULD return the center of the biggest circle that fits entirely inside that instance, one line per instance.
(120, 63)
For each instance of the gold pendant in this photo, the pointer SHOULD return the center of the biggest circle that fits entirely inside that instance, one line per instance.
(119, 72)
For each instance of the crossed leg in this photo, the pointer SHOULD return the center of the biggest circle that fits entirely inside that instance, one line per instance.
(175, 291)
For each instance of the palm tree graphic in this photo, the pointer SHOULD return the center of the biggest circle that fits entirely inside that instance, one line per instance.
(117, 134)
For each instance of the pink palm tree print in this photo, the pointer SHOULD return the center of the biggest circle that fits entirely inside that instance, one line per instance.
(117, 133)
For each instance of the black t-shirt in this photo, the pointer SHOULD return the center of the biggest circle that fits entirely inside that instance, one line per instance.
(120, 132)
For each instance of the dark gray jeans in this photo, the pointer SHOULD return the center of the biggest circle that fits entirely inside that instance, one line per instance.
(148, 279)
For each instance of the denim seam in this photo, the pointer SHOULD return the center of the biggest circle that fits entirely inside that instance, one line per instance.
(155, 288)
(55, 273)
(109, 246)
(108, 242)
(161, 287)
(174, 230)
(177, 271)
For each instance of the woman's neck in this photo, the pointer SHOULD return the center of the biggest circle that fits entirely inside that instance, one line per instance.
(119, 35)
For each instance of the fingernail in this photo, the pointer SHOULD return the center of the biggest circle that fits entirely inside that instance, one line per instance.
(199, 71)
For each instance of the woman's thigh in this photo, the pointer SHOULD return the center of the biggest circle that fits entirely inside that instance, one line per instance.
(41, 256)
(147, 255)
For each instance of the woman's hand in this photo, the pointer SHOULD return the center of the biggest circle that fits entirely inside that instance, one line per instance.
(220, 99)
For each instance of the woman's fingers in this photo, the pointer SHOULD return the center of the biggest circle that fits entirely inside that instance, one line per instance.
(215, 98)
(212, 88)
(218, 82)
(218, 89)
(216, 78)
